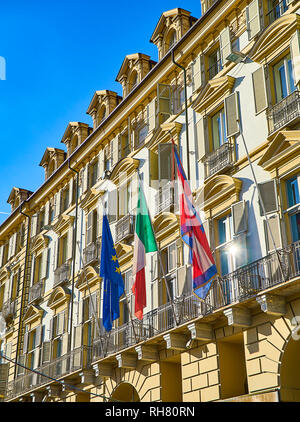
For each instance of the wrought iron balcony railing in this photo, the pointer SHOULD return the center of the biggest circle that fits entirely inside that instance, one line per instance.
(166, 198)
(218, 160)
(244, 283)
(62, 274)
(125, 227)
(9, 309)
(91, 253)
(36, 292)
(73, 361)
(284, 112)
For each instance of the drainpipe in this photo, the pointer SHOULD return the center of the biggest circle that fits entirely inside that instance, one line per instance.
(23, 288)
(186, 115)
(73, 256)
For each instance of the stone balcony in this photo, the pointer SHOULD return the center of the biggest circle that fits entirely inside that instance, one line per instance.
(219, 160)
(284, 113)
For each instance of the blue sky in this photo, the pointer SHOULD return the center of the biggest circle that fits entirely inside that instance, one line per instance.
(57, 55)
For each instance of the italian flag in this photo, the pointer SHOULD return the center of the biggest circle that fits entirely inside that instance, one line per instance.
(144, 242)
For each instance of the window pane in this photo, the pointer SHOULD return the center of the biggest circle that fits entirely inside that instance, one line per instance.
(222, 230)
(295, 227)
(293, 191)
(292, 86)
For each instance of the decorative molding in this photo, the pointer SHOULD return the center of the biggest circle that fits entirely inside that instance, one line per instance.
(147, 353)
(272, 304)
(61, 295)
(63, 223)
(238, 317)
(127, 360)
(200, 331)
(32, 314)
(175, 341)
(87, 277)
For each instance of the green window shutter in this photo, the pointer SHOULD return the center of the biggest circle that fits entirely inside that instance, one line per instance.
(253, 19)
(201, 129)
(198, 72)
(295, 55)
(273, 226)
(268, 194)
(225, 44)
(260, 89)
(239, 217)
(231, 114)
(164, 102)
(151, 115)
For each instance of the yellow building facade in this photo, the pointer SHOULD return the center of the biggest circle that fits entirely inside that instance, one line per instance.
(225, 89)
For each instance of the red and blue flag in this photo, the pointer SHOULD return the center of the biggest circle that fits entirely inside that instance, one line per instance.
(193, 234)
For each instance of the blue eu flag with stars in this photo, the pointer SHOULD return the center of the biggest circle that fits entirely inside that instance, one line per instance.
(111, 274)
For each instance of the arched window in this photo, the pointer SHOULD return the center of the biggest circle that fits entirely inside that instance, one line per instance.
(172, 39)
(133, 81)
(101, 114)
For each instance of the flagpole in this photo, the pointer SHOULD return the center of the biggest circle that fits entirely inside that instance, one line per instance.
(93, 309)
(159, 255)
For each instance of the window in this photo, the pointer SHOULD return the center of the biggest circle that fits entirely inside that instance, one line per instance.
(37, 269)
(51, 211)
(276, 9)
(283, 78)
(65, 195)
(63, 250)
(93, 173)
(107, 158)
(141, 134)
(133, 81)
(91, 227)
(41, 221)
(125, 145)
(293, 197)
(224, 233)
(172, 40)
(169, 258)
(218, 129)
(214, 63)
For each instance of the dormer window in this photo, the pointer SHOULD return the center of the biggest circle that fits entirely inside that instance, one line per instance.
(172, 39)
(133, 81)
(101, 115)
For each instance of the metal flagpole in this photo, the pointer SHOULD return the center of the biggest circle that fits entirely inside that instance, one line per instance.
(159, 256)
(87, 283)
(260, 197)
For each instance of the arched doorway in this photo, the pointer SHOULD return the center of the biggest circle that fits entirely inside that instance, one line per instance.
(290, 372)
(125, 392)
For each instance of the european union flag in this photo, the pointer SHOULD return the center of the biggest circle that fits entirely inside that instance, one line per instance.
(111, 274)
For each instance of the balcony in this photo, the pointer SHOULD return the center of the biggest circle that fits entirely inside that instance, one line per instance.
(62, 274)
(283, 113)
(9, 309)
(125, 227)
(91, 253)
(165, 198)
(36, 292)
(219, 160)
(74, 361)
(240, 285)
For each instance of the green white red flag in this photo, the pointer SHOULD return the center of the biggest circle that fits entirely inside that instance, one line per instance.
(144, 242)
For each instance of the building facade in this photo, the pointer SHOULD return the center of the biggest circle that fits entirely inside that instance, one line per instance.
(225, 90)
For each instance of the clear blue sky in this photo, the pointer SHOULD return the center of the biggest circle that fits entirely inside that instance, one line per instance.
(57, 54)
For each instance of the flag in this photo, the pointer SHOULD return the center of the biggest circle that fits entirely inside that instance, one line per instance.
(193, 234)
(144, 242)
(111, 274)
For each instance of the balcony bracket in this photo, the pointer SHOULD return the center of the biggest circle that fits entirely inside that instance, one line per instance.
(54, 391)
(147, 353)
(103, 369)
(200, 331)
(175, 341)
(87, 377)
(238, 317)
(38, 396)
(272, 304)
(127, 360)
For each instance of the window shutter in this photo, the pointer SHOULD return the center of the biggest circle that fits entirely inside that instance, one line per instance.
(21, 360)
(155, 294)
(101, 163)
(225, 45)
(46, 348)
(32, 269)
(70, 244)
(33, 225)
(80, 312)
(112, 205)
(44, 263)
(52, 327)
(8, 349)
(253, 19)
(165, 161)
(114, 145)
(295, 55)
(89, 228)
(260, 89)
(56, 254)
(231, 114)
(207, 229)
(47, 209)
(154, 268)
(64, 347)
(77, 336)
(273, 225)
(1, 254)
(85, 174)
(25, 342)
(182, 287)
(268, 194)
(202, 137)
(60, 323)
(239, 217)
(14, 244)
(38, 335)
(93, 305)
(151, 115)
(57, 203)
(164, 102)
(198, 72)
